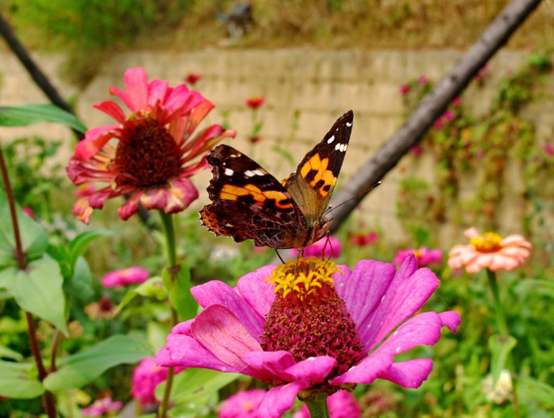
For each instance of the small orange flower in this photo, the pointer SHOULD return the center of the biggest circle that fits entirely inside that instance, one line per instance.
(490, 251)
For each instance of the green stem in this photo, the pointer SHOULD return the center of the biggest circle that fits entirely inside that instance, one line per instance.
(498, 308)
(318, 406)
(503, 329)
(169, 229)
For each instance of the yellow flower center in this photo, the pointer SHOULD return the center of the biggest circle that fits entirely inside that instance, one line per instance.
(303, 277)
(489, 242)
(248, 406)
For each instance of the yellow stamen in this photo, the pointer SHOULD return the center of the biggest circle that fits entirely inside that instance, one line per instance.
(303, 277)
(488, 242)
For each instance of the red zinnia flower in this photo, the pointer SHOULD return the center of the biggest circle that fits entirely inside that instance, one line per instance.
(255, 102)
(193, 78)
(148, 154)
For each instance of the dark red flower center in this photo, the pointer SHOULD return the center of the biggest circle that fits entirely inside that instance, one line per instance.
(311, 325)
(147, 156)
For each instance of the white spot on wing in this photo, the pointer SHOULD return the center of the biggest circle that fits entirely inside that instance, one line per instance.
(249, 173)
(229, 172)
(349, 124)
(258, 172)
(330, 140)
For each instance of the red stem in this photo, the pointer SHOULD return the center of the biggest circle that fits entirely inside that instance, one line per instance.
(48, 398)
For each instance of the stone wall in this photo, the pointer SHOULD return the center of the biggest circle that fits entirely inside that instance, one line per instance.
(317, 85)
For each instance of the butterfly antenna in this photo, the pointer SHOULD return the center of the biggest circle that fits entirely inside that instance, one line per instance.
(370, 188)
(328, 234)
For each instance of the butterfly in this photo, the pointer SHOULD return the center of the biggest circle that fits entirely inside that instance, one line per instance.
(250, 203)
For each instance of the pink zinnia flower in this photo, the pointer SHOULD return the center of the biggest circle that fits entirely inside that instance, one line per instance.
(193, 78)
(341, 404)
(29, 212)
(255, 138)
(439, 123)
(363, 240)
(422, 80)
(149, 153)
(312, 328)
(490, 251)
(125, 277)
(323, 249)
(244, 404)
(146, 377)
(103, 309)
(549, 150)
(404, 89)
(416, 150)
(448, 115)
(457, 101)
(424, 256)
(101, 407)
(255, 102)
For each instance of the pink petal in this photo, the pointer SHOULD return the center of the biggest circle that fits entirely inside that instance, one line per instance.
(111, 109)
(157, 90)
(423, 329)
(180, 195)
(221, 333)
(363, 288)
(130, 207)
(124, 97)
(472, 233)
(407, 293)
(136, 85)
(270, 366)
(409, 374)
(515, 239)
(366, 371)
(280, 399)
(184, 351)
(219, 293)
(183, 327)
(313, 369)
(256, 292)
(451, 320)
(95, 139)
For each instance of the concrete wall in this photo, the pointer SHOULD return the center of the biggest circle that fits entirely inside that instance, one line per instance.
(320, 85)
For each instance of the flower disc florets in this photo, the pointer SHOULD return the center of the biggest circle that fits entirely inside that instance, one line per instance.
(308, 318)
(489, 242)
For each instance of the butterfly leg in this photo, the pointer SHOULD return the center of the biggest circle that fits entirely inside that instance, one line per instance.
(328, 241)
(279, 255)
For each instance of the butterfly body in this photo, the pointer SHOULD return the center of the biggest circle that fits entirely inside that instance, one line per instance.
(250, 203)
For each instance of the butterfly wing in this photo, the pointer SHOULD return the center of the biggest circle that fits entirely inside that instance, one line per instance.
(313, 182)
(249, 203)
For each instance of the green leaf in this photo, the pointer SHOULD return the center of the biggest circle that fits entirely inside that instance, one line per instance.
(179, 292)
(79, 369)
(7, 278)
(32, 113)
(153, 287)
(80, 285)
(500, 349)
(78, 245)
(16, 381)
(7, 352)
(531, 389)
(33, 238)
(191, 384)
(38, 290)
(156, 335)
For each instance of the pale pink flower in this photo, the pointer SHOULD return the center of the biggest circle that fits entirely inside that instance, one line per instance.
(149, 154)
(324, 248)
(341, 404)
(101, 407)
(313, 327)
(490, 251)
(404, 89)
(424, 256)
(146, 377)
(549, 150)
(244, 404)
(125, 277)
(422, 80)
